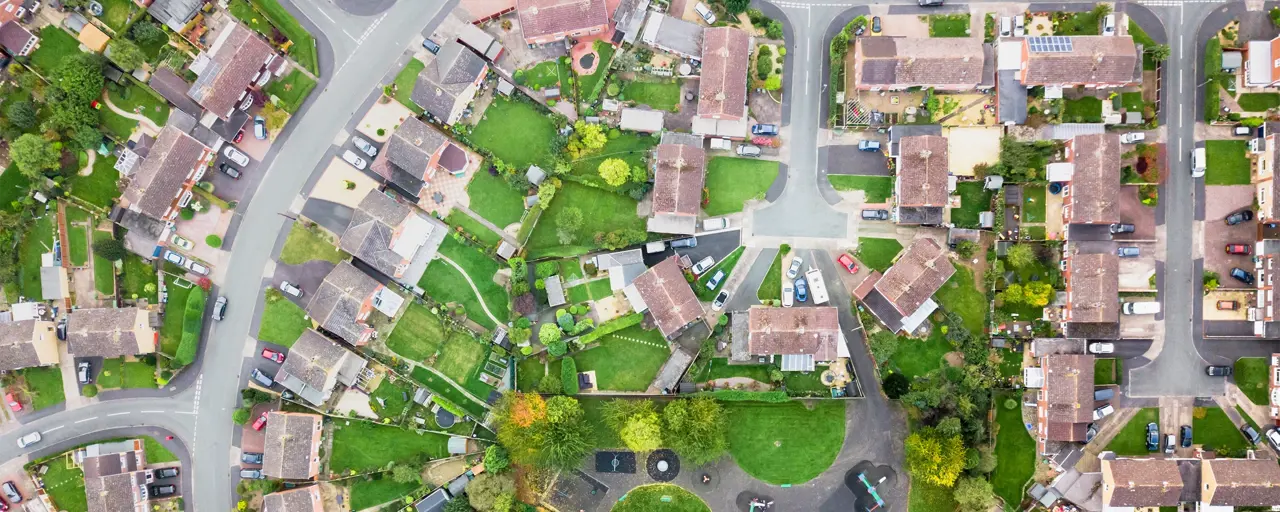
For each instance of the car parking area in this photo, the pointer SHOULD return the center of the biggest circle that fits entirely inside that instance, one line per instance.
(1132, 211)
(848, 159)
(175, 481)
(254, 441)
(12, 471)
(715, 245)
(1139, 326)
(307, 277)
(1227, 199)
(1135, 273)
(1241, 300)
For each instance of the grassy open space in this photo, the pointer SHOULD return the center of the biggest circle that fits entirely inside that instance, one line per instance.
(494, 200)
(64, 482)
(37, 241)
(56, 44)
(602, 212)
(77, 240)
(292, 89)
(1079, 24)
(139, 375)
(626, 360)
(439, 386)
(700, 286)
(42, 386)
(930, 498)
(111, 375)
(877, 188)
(771, 285)
(283, 322)
(591, 290)
(1104, 371)
(916, 357)
(13, 186)
(393, 395)
(1084, 110)
(474, 227)
(115, 13)
(786, 443)
(665, 497)
(719, 368)
(517, 132)
(960, 295)
(1132, 101)
(1132, 439)
(306, 244)
(136, 276)
(171, 332)
(418, 334)
(139, 99)
(544, 74)
(98, 188)
(1228, 162)
(593, 83)
(949, 25)
(974, 199)
(1212, 428)
(404, 82)
(878, 253)
(661, 95)
(460, 357)
(444, 283)
(1251, 375)
(1010, 363)
(733, 181)
(1015, 451)
(157, 453)
(1258, 101)
(363, 446)
(1033, 203)
(369, 493)
(115, 125)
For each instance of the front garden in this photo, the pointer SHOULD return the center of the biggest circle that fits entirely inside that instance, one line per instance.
(1252, 375)
(878, 253)
(734, 181)
(1228, 162)
(878, 189)
(283, 322)
(1132, 439)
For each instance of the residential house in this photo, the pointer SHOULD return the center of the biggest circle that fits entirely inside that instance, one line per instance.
(292, 446)
(803, 337)
(115, 476)
(415, 152)
(434, 502)
(1011, 102)
(722, 89)
(299, 499)
(623, 267)
(1070, 61)
(393, 238)
(1273, 388)
(111, 332)
(15, 40)
(1266, 322)
(1093, 283)
(449, 81)
(1092, 172)
(228, 68)
(345, 299)
(898, 63)
(921, 190)
(673, 35)
(1262, 69)
(679, 176)
(480, 11)
(663, 292)
(175, 14)
(1064, 404)
(1230, 483)
(548, 21)
(316, 365)
(17, 10)
(627, 20)
(902, 298)
(161, 185)
(27, 343)
(1129, 484)
(173, 89)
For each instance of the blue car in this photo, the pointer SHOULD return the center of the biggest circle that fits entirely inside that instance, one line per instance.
(802, 290)
(764, 129)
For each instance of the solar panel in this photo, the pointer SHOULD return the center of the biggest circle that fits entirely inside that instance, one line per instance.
(1050, 44)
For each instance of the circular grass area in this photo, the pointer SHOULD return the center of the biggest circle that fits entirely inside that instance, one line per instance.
(647, 498)
(785, 443)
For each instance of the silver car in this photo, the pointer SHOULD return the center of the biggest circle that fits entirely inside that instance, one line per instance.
(196, 268)
(290, 289)
(236, 156)
(29, 439)
(794, 270)
(174, 258)
(703, 265)
(352, 158)
(364, 145)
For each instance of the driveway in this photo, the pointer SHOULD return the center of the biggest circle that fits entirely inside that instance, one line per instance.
(1138, 327)
(329, 215)
(1227, 199)
(848, 159)
(306, 276)
(716, 245)
(1242, 299)
(1135, 273)
(1132, 211)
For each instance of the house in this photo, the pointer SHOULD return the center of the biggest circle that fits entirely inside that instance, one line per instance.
(1071, 61)
(1262, 68)
(1263, 312)
(897, 63)
(480, 41)
(316, 365)
(449, 81)
(27, 344)
(623, 267)
(16, 10)
(434, 502)
(16, 40)
(663, 292)
(1093, 173)
(1273, 387)
(902, 298)
(1209, 484)
(1137, 483)
(722, 89)
(174, 14)
(393, 238)
(673, 35)
(415, 152)
(548, 21)
(641, 120)
(345, 299)
(173, 89)
(299, 499)
(115, 476)
(1239, 483)
(161, 185)
(679, 177)
(225, 71)
(921, 191)
(803, 337)
(1093, 283)
(110, 332)
(627, 20)
(292, 446)
(1267, 150)
(1065, 402)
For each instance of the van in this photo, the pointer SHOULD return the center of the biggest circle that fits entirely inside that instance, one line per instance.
(1101, 394)
(1197, 163)
(714, 224)
(705, 13)
(655, 247)
(1141, 308)
(1109, 25)
(1006, 26)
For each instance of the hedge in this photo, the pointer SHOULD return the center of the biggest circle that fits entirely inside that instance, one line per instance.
(192, 324)
(611, 326)
(737, 395)
(569, 376)
(449, 406)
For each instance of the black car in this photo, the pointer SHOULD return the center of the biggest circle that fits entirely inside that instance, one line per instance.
(251, 458)
(1121, 228)
(1185, 434)
(764, 129)
(1250, 434)
(875, 24)
(227, 169)
(158, 491)
(1153, 437)
(1218, 371)
(1240, 216)
(930, 3)
(1242, 275)
(165, 473)
(875, 214)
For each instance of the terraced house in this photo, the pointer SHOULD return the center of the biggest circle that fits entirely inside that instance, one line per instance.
(548, 21)
(1208, 484)
(722, 88)
(301, 499)
(27, 344)
(898, 63)
(111, 332)
(1057, 62)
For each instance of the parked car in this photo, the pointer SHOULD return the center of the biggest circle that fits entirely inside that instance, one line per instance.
(261, 422)
(748, 150)
(703, 265)
(788, 294)
(1153, 437)
(1242, 130)
(247, 102)
(764, 129)
(29, 439)
(164, 473)
(82, 372)
(875, 24)
(1102, 348)
(251, 458)
(794, 269)
(196, 268)
(1218, 371)
(290, 289)
(1127, 252)
(261, 378)
(1241, 275)
(352, 158)
(431, 46)
(1185, 433)
(1241, 249)
(684, 242)
(182, 243)
(1132, 137)
(1228, 305)
(12, 402)
(1103, 412)
(11, 492)
(220, 308)
(1250, 433)
(4, 505)
(1169, 444)
(236, 156)
(1109, 25)
(227, 169)
(715, 280)
(802, 290)
(1090, 432)
(174, 258)
(930, 3)
(239, 137)
(875, 214)
(718, 304)
(868, 145)
(1121, 228)
(705, 13)
(259, 128)
(159, 491)
(1102, 394)
(252, 474)
(1006, 26)
(715, 224)
(273, 355)
(365, 146)
(1019, 25)
(1239, 217)
(846, 261)
(1273, 438)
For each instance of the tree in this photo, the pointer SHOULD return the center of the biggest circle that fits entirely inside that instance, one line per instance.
(496, 459)
(896, 385)
(773, 83)
(67, 116)
(565, 437)
(986, 459)
(549, 333)
(949, 426)
(22, 114)
(966, 248)
(110, 249)
(274, 116)
(591, 135)
(546, 191)
(636, 422)
(147, 33)
(615, 171)
(1158, 52)
(125, 53)
(1210, 280)
(884, 345)
(33, 155)
(80, 77)
(87, 137)
(404, 474)
(569, 376)
(974, 494)
(241, 415)
(458, 504)
(639, 174)
(504, 502)
(485, 488)
(736, 6)
(935, 458)
(515, 416)
(1037, 293)
(1021, 255)
(773, 30)
(695, 429)
(568, 223)
(1013, 294)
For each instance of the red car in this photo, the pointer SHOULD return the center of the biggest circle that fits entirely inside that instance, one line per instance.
(277, 357)
(3, 506)
(847, 263)
(260, 422)
(14, 404)
(766, 142)
(239, 137)
(1238, 249)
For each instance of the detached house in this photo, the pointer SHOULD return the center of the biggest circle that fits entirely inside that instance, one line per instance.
(345, 299)
(1090, 61)
(393, 238)
(722, 89)
(921, 190)
(16, 40)
(1262, 69)
(548, 21)
(902, 298)
(415, 152)
(1064, 405)
(897, 63)
(663, 292)
(292, 446)
(27, 344)
(680, 166)
(316, 365)
(115, 476)
(161, 185)
(803, 337)
(110, 333)
(449, 81)
(228, 68)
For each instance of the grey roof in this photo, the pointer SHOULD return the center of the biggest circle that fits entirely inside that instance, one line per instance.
(174, 13)
(446, 77)
(684, 139)
(410, 151)
(674, 35)
(228, 68)
(628, 18)
(154, 186)
(1013, 98)
(315, 365)
(535, 175)
(372, 229)
(53, 283)
(619, 259)
(434, 502)
(16, 348)
(672, 370)
(103, 332)
(928, 215)
(337, 304)
(301, 499)
(555, 292)
(144, 232)
(174, 89)
(291, 445)
(1232, 60)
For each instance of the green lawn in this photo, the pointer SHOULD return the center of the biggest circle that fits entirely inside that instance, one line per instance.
(460, 219)
(171, 332)
(64, 482)
(591, 290)
(266, 13)
(960, 295)
(245, 13)
(602, 212)
(13, 187)
(1140, 37)
(929, 498)
(1084, 110)
(368, 493)
(283, 322)
(877, 188)
(949, 25)
(136, 276)
(1010, 363)
(878, 253)
(1015, 451)
(541, 76)
(115, 13)
(139, 375)
(1132, 439)
(665, 497)
(98, 188)
(43, 386)
(517, 132)
(719, 368)
(771, 285)
(1258, 101)
(1033, 203)
(393, 394)
(418, 334)
(157, 453)
(1079, 24)
(1215, 430)
(1251, 375)
(663, 95)
(974, 199)
(623, 364)
(364, 446)
(115, 125)
(1104, 371)
(700, 286)
(460, 357)
(56, 44)
(292, 89)
(630, 147)
(77, 239)
(1228, 162)
(1132, 101)
(785, 443)
(495, 200)
(444, 389)
(37, 241)
(307, 244)
(733, 181)
(588, 84)
(140, 99)
(404, 83)
(916, 357)
(111, 375)
(444, 283)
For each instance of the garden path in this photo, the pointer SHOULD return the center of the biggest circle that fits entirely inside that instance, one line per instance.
(151, 125)
(473, 290)
(492, 227)
(732, 382)
(88, 168)
(963, 108)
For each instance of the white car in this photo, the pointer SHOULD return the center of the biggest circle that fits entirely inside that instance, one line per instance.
(788, 295)
(365, 146)
(174, 258)
(1101, 348)
(1273, 437)
(794, 270)
(196, 268)
(1109, 25)
(1019, 25)
(182, 243)
(290, 289)
(1103, 412)
(29, 439)
(1132, 138)
(352, 158)
(705, 12)
(703, 265)
(236, 156)
(718, 304)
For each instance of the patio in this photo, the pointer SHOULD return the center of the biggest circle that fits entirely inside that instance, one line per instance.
(894, 105)
(211, 221)
(972, 109)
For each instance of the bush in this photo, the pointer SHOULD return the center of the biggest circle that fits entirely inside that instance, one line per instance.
(89, 391)
(187, 214)
(192, 324)
(569, 376)
(737, 395)
(241, 416)
(213, 241)
(1010, 404)
(110, 249)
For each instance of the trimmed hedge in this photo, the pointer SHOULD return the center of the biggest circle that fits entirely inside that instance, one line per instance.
(737, 395)
(192, 324)
(611, 326)
(449, 406)
(569, 376)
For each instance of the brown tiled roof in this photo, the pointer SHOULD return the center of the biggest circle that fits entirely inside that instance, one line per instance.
(1068, 388)
(722, 90)
(789, 331)
(232, 66)
(442, 84)
(916, 62)
(372, 229)
(106, 332)
(922, 174)
(337, 303)
(114, 493)
(292, 446)
(302, 499)
(547, 17)
(1241, 482)
(1095, 181)
(1094, 287)
(1092, 59)
(679, 179)
(173, 158)
(316, 365)
(668, 296)
(917, 275)
(1141, 483)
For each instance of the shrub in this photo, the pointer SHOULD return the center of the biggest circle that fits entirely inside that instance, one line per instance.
(545, 269)
(89, 391)
(569, 376)
(241, 416)
(1010, 404)
(192, 323)
(110, 249)
(187, 214)
(736, 395)
(213, 241)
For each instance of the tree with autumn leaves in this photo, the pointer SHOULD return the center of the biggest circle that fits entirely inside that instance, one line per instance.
(549, 433)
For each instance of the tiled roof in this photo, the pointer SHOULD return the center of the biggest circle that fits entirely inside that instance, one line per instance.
(372, 229)
(410, 149)
(791, 331)
(443, 79)
(154, 186)
(14, 38)
(302, 499)
(722, 89)
(678, 182)
(108, 332)
(315, 365)
(1095, 180)
(339, 300)
(917, 275)
(922, 174)
(230, 70)
(1093, 287)
(549, 17)
(917, 62)
(668, 296)
(1141, 483)
(1241, 482)
(292, 446)
(174, 89)
(1068, 388)
(17, 347)
(1092, 59)
(114, 493)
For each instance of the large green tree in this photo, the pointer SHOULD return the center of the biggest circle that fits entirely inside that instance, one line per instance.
(564, 438)
(484, 490)
(146, 32)
(615, 171)
(695, 429)
(934, 457)
(974, 494)
(126, 54)
(33, 155)
(1021, 255)
(636, 422)
(22, 114)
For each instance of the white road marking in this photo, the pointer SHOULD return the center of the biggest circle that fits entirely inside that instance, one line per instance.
(54, 429)
(87, 419)
(327, 17)
(152, 412)
(119, 414)
(353, 38)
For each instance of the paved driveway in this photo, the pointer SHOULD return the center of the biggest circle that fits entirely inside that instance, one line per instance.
(1132, 211)
(1227, 199)
(848, 159)
(306, 276)
(716, 245)
(1135, 273)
